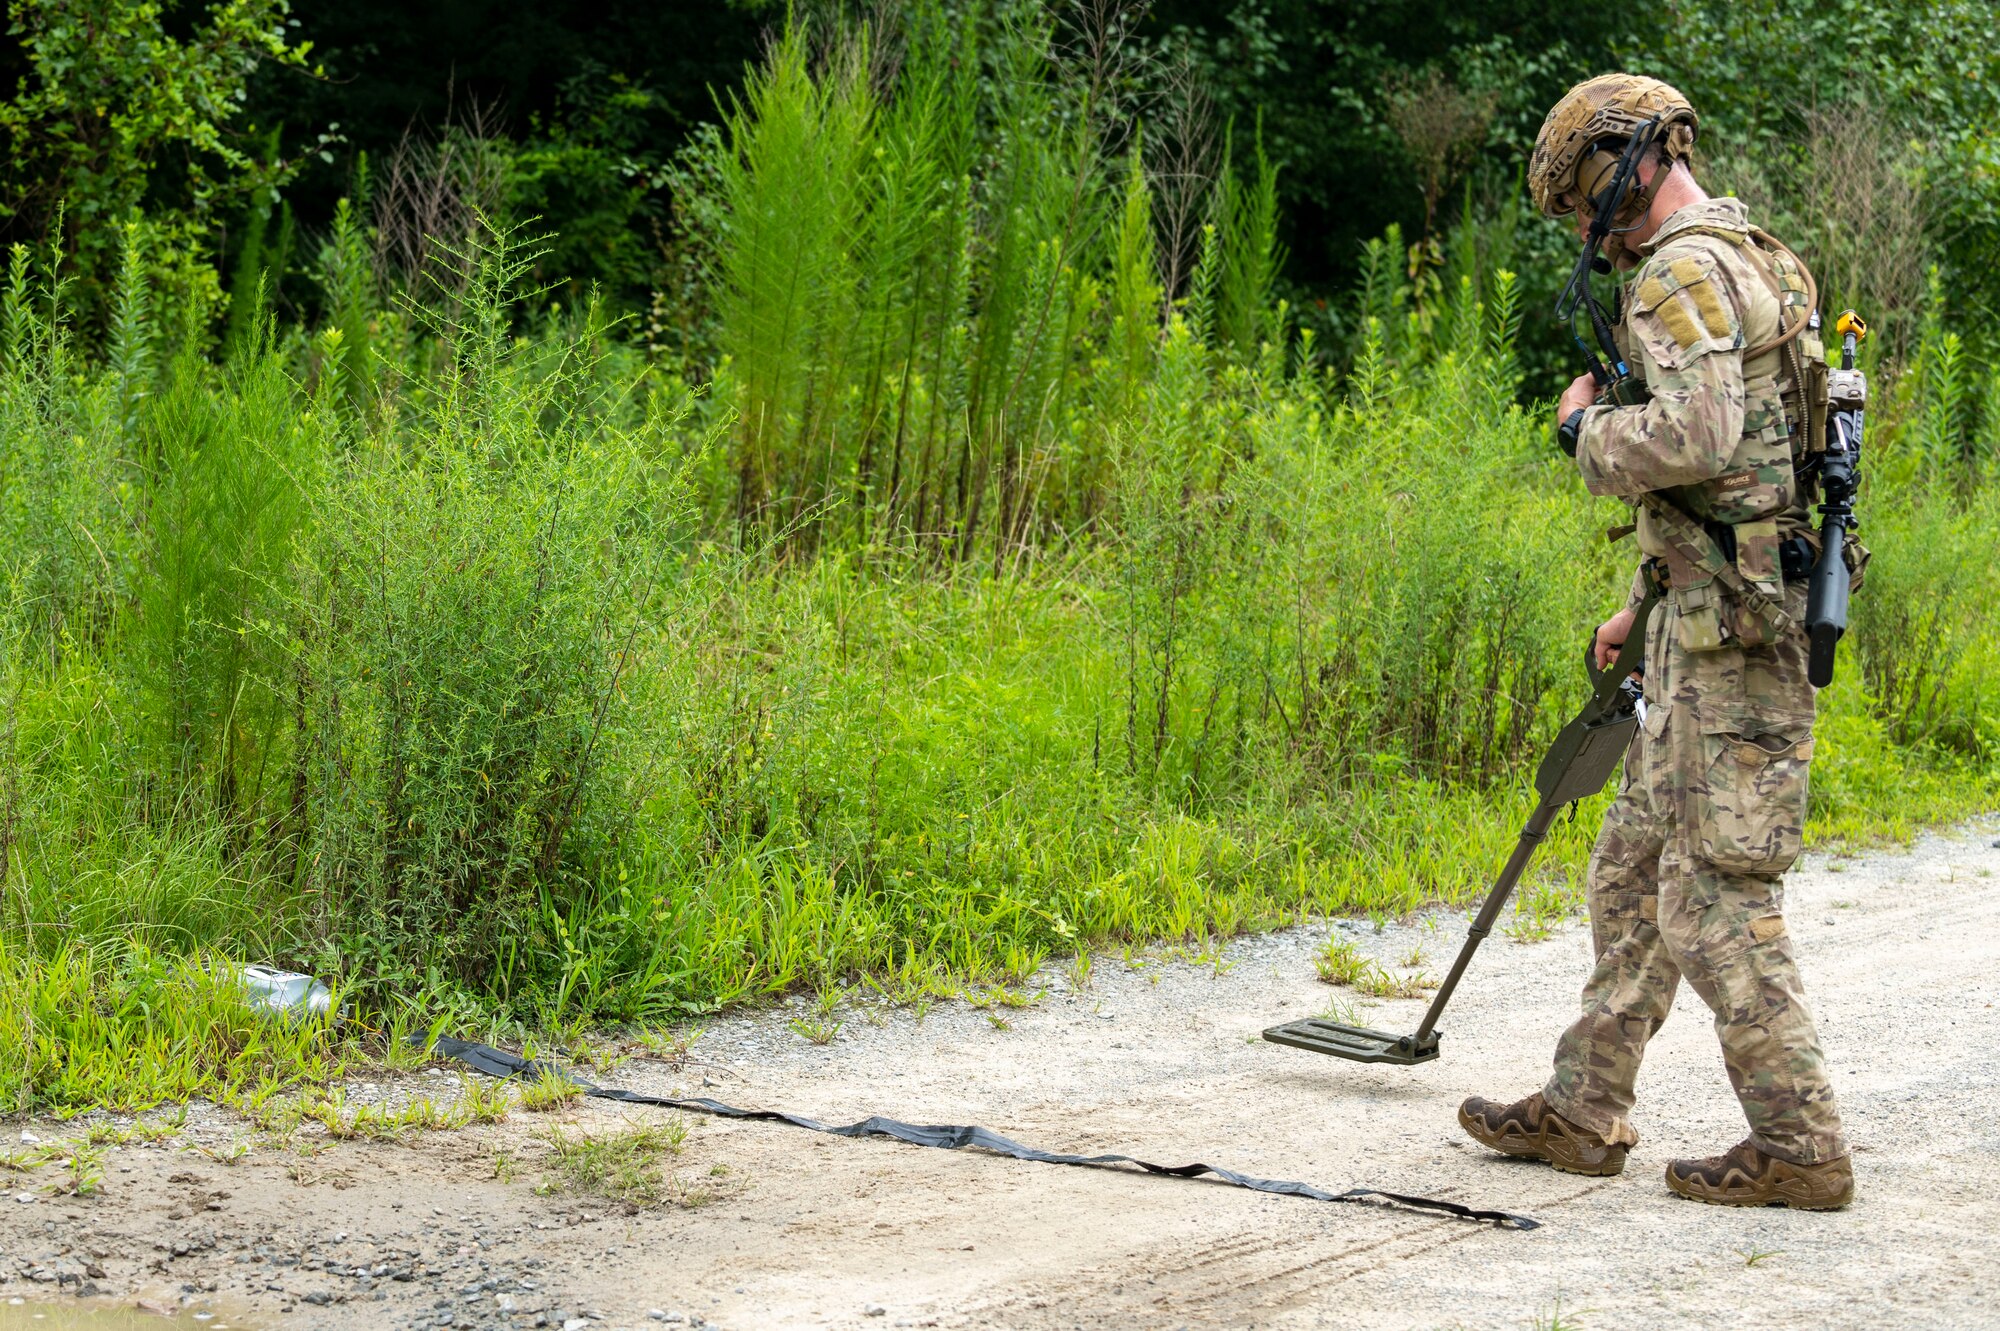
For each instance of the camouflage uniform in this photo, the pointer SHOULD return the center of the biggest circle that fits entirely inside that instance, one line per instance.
(1686, 877)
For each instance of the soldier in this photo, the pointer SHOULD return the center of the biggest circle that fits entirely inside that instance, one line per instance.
(1687, 875)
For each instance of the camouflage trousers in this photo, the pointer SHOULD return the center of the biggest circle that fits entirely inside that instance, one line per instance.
(1687, 880)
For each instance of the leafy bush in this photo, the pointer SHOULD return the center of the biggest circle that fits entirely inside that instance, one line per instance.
(117, 109)
(465, 615)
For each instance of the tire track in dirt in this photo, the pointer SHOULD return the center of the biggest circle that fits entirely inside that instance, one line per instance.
(1250, 1277)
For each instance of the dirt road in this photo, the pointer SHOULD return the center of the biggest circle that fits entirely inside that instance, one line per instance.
(1901, 952)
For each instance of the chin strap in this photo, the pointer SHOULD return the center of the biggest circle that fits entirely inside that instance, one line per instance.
(1640, 202)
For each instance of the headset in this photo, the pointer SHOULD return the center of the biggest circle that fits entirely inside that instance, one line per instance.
(1612, 167)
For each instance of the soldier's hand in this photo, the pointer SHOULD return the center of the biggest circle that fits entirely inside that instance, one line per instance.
(1581, 393)
(1611, 635)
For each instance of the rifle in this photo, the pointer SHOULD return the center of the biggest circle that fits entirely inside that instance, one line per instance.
(1840, 478)
(1584, 755)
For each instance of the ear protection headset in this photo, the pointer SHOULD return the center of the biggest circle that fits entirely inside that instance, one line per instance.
(1605, 174)
(1596, 174)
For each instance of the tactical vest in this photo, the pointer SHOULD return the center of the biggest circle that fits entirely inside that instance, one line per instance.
(1724, 537)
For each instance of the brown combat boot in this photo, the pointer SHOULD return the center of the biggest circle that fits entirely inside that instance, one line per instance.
(1748, 1177)
(1531, 1129)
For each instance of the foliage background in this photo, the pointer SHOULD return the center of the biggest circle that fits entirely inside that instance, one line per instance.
(602, 513)
(267, 109)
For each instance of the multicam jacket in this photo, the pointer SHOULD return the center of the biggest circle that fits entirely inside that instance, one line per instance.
(1716, 435)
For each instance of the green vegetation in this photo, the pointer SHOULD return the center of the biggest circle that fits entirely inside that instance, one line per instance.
(238, 127)
(1340, 962)
(1000, 573)
(111, 1024)
(622, 1166)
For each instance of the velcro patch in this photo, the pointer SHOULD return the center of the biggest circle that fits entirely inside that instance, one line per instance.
(1691, 276)
(1680, 324)
(1687, 271)
(1687, 309)
(1709, 305)
(1767, 928)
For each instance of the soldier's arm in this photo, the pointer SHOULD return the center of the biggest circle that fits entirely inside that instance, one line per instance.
(1687, 328)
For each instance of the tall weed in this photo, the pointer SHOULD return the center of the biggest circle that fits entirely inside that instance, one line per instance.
(465, 616)
(226, 457)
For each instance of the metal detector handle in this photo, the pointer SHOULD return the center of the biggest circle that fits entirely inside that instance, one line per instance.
(1631, 658)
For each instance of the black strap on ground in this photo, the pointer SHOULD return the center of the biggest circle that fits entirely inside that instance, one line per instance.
(493, 1062)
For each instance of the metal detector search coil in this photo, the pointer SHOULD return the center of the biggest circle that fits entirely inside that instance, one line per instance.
(1357, 1044)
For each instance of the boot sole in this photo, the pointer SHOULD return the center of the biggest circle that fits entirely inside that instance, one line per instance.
(1527, 1148)
(1751, 1202)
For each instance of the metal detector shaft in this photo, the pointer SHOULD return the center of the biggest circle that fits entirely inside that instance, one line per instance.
(1517, 864)
(1584, 755)
(1582, 758)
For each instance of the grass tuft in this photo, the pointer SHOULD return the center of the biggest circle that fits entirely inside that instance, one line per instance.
(1339, 962)
(549, 1095)
(623, 1166)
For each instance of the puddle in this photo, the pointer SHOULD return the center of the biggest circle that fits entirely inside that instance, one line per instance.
(105, 1315)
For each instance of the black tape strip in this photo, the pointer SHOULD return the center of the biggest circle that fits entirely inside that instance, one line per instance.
(499, 1063)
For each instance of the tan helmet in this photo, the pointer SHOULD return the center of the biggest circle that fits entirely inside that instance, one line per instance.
(1567, 165)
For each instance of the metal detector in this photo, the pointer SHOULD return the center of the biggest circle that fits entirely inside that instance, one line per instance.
(1585, 754)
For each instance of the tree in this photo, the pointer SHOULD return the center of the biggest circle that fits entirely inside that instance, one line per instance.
(112, 112)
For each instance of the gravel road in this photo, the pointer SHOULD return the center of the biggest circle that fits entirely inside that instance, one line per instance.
(1901, 952)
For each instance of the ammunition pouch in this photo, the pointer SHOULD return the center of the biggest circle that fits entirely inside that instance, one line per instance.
(1813, 357)
(1714, 615)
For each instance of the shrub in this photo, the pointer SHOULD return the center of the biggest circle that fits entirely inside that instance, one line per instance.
(467, 609)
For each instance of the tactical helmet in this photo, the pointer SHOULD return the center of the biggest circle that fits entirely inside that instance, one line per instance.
(1606, 110)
